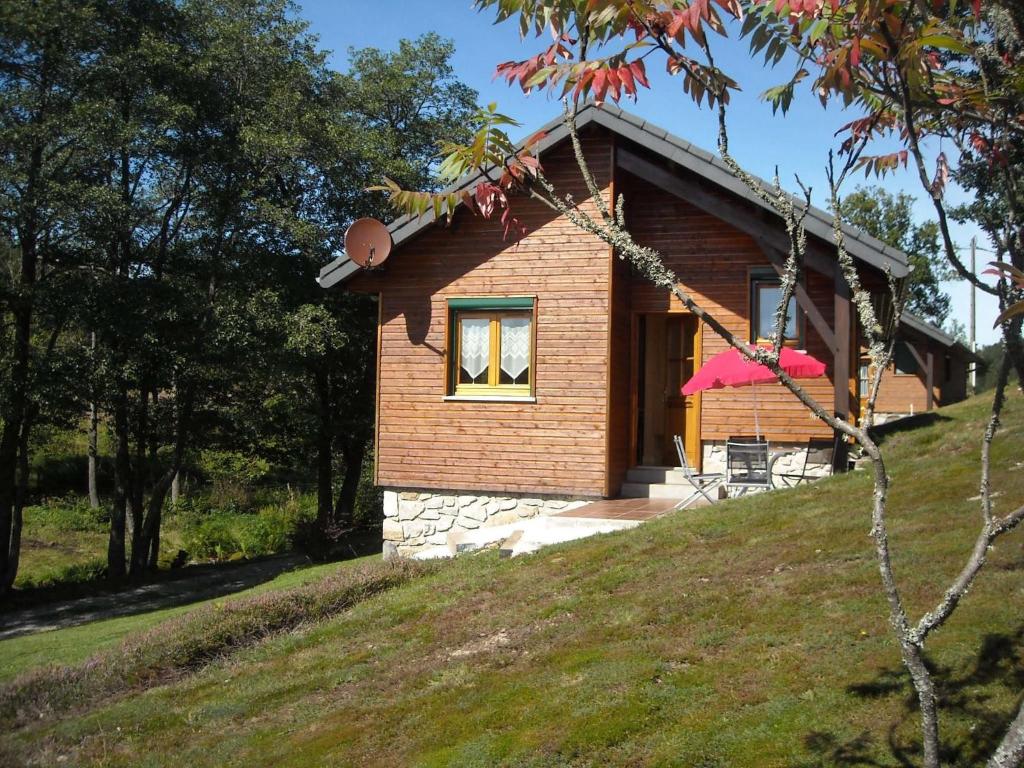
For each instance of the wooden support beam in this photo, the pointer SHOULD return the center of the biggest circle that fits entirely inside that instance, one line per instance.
(841, 365)
(914, 353)
(802, 298)
(745, 218)
(929, 376)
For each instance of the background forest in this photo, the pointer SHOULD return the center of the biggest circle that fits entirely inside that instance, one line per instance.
(174, 385)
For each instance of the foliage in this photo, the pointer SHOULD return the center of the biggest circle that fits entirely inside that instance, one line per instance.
(67, 515)
(889, 218)
(175, 175)
(84, 572)
(213, 534)
(192, 641)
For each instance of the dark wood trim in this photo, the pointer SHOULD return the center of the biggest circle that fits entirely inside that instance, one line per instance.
(929, 375)
(803, 299)
(843, 346)
(916, 355)
(744, 218)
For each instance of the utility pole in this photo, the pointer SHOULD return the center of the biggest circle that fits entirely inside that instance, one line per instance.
(974, 344)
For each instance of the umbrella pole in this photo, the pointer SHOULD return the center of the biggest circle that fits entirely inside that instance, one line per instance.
(757, 421)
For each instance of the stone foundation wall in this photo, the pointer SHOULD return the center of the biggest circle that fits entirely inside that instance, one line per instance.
(792, 463)
(415, 520)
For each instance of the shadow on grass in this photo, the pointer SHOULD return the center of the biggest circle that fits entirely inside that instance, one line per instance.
(964, 694)
(881, 432)
(168, 589)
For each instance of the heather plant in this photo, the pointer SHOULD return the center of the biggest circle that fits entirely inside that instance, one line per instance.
(194, 640)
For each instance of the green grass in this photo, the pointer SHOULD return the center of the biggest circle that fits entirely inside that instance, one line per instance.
(76, 644)
(748, 634)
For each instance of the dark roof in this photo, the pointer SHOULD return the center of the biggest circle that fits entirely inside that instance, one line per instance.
(659, 141)
(915, 323)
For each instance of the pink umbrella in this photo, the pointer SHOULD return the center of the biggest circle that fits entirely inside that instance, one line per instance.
(731, 369)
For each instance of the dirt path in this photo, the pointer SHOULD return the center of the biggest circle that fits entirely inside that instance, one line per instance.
(190, 585)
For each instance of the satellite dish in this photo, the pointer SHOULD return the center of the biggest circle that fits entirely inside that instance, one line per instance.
(367, 243)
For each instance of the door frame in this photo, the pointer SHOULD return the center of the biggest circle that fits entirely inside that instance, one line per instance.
(634, 380)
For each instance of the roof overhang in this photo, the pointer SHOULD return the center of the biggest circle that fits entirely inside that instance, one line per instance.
(915, 323)
(682, 153)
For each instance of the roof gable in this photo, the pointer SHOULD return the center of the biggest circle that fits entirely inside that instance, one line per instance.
(859, 244)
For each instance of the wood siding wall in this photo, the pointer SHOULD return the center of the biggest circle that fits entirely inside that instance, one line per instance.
(556, 445)
(903, 393)
(712, 261)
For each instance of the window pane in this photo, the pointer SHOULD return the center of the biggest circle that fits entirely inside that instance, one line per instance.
(515, 350)
(474, 349)
(768, 297)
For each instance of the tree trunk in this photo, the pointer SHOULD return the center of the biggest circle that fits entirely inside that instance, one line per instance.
(116, 565)
(324, 444)
(149, 538)
(141, 474)
(14, 435)
(1010, 753)
(354, 452)
(176, 488)
(94, 494)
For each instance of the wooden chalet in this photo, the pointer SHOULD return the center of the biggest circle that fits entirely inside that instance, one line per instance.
(547, 370)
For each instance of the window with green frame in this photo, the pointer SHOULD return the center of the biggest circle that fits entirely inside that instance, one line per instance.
(765, 295)
(491, 346)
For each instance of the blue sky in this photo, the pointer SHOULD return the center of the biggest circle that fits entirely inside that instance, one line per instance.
(797, 143)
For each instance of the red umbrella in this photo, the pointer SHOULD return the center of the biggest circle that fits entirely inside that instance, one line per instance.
(731, 369)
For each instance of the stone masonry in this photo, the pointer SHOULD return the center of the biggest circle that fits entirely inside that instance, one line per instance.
(415, 520)
(790, 463)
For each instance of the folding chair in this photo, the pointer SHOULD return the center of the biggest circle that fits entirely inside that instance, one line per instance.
(746, 466)
(701, 482)
(817, 453)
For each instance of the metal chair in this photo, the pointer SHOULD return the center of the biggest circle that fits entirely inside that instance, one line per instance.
(702, 482)
(746, 466)
(818, 453)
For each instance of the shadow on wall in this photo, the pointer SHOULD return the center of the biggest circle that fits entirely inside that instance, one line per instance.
(965, 695)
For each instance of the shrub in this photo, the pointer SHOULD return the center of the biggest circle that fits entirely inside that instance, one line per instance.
(71, 573)
(211, 538)
(189, 642)
(232, 476)
(69, 514)
(210, 533)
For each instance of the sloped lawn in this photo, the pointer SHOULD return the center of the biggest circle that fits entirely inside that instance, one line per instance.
(749, 634)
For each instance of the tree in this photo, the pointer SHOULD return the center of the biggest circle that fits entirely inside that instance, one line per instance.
(386, 116)
(889, 218)
(913, 69)
(45, 129)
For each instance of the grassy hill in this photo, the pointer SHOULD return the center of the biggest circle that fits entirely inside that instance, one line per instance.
(752, 633)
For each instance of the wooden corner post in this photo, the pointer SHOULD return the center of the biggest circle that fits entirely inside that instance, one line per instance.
(841, 363)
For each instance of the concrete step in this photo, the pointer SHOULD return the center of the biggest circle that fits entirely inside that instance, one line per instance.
(670, 475)
(657, 490)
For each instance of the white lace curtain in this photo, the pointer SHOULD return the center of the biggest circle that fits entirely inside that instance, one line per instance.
(476, 346)
(515, 345)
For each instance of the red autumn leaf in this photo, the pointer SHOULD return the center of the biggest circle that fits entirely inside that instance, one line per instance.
(627, 80)
(599, 85)
(613, 81)
(639, 73)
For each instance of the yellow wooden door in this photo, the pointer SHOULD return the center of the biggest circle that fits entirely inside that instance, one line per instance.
(682, 413)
